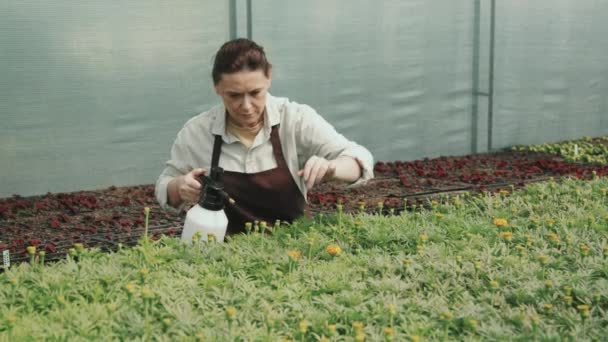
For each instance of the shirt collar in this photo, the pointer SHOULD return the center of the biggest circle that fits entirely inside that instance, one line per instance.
(271, 117)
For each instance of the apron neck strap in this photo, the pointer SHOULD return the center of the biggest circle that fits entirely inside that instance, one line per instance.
(274, 139)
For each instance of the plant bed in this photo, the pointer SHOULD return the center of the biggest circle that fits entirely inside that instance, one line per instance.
(107, 218)
(402, 184)
(527, 267)
(588, 150)
(103, 219)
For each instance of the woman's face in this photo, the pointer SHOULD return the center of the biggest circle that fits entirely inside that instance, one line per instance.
(244, 95)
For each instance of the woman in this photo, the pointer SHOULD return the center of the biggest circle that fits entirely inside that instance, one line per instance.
(272, 150)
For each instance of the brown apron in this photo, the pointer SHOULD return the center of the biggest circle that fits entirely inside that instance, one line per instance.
(264, 196)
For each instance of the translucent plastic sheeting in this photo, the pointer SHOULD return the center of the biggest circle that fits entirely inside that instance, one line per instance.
(551, 78)
(396, 76)
(92, 93)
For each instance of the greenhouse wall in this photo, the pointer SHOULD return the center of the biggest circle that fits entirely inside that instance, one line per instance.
(92, 93)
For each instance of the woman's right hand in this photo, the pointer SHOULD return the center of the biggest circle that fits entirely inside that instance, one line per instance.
(189, 186)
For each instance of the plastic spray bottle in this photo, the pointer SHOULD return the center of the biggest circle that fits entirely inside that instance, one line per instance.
(208, 216)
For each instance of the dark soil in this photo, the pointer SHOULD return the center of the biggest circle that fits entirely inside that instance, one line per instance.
(106, 218)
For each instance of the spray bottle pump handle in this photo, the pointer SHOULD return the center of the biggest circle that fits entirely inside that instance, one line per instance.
(208, 180)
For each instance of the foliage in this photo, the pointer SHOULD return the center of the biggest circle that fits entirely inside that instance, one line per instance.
(524, 266)
(586, 150)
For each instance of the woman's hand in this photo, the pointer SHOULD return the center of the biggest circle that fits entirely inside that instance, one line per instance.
(189, 188)
(186, 188)
(317, 170)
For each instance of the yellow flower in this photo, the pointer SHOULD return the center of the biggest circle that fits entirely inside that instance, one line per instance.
(392, 309)
(303, 326)
(535, 319)
(548, 306)
(130, 287)
(13, 280)
(211, 237)
(424, 237)
(31, 250)
(231, 312)
(543, 259)
(584, 249)
(61, 298)
(584, 309)
(360, 337)
(446, 316)
(79, 246)
(550, 222)
(334, 250)
(477, 265)
(11, 319)
(506, 235)
(415, 338)
(568, 299)
(553, 237)
(146, 292)
(196, 236)
(167, 322)
(419, 248)
(143, 272)
(358, 326)
(548, 284)
(500, 222)
(439, 216)
(568, 290)
(294, 255)
(200, 336)
(332, 329)
(494, 284)
(389, 332)
(529, 240)
(503, 192)
(521, 249)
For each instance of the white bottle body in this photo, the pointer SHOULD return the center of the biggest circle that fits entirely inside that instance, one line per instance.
(205, 221)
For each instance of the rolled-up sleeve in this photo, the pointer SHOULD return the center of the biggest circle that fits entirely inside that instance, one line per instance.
(179, 164)
(318, 137)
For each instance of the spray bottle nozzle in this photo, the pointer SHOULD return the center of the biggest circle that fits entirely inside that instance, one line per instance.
(213, 196)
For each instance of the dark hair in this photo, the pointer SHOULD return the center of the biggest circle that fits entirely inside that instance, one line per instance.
(239, 54)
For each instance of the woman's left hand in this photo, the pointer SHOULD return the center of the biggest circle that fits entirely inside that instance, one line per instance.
(317, 170)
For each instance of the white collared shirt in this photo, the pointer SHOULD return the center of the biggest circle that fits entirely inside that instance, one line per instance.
(302, 131)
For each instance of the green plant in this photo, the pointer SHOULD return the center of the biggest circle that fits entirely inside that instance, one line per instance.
(528, 266)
